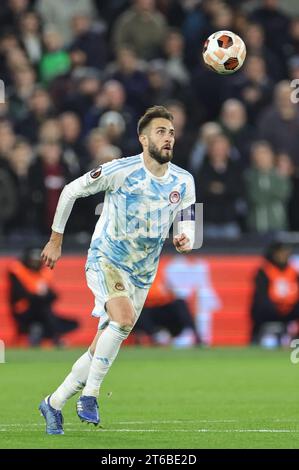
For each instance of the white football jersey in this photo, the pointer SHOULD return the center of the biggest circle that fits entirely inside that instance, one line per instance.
(138, 211)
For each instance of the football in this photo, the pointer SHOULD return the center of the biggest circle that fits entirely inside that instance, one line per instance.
(224, 52)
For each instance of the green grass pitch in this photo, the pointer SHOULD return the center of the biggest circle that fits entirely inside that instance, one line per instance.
(161, 398)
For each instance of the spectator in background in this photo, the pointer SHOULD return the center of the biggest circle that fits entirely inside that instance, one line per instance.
(112, 98)
(291, 48)
(39, 110)
(20, 224)
(113, 125)
(48, 175)
(173, 50)
(73, 148)
(253, 87)
(89, 39)
(8, 199)
(184, 137)
(59, 14)
(241, 22)
(210, 90)
(19, 94)
(7, 140)
(31, 298)
(279, 124)
(16, 58)
(129, 70)
(4, 111)
(161, 87)
(220, 187)
(143, 27)
(276, 293)
(287, 169)
(85, 87)
(55, 61)
(11, 12)
(233, 120)
(95, 142)
(111, 10)
(223, 18)
(254, 38)
(293, 68)
(195, 26)
(8, 42)
(30, 35)
(206, 134)
(50, 130)
(268, 192)
(275, 23)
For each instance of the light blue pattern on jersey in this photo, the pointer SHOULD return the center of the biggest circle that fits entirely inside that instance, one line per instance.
(136, 219)
(126, 162)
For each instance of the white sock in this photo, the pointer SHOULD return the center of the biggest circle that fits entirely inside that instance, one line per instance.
(106, 351)
(73, 383)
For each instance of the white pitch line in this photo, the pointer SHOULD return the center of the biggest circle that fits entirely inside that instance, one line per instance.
(178, 421)
(204, 430)
(182, 422)
(199, 430)
(19, 425)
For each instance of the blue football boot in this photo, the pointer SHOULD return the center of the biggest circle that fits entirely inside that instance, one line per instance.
(88, 409)
(54, 418)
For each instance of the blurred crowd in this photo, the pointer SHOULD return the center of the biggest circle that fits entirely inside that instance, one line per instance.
(79, 73)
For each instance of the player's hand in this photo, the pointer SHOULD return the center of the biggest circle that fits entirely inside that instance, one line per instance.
(182, 243)
(51, 254)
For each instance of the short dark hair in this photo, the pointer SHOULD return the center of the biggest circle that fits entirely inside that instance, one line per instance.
(152, 113)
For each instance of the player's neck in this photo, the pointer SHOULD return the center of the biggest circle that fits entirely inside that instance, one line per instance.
(154, 167)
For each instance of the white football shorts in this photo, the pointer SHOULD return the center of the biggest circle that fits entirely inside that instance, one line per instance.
(108, 282)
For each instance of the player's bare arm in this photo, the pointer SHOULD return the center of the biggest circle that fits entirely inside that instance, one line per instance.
(52, 250)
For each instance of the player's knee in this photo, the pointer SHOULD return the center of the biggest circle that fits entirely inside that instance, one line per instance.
(121, 311)
(126, 321)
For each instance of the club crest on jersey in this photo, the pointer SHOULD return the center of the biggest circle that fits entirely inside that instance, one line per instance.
(119, 286)
(174, 197)
(96, 172)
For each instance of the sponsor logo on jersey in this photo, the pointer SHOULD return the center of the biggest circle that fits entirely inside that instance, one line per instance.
(174, 197)
(96, 172)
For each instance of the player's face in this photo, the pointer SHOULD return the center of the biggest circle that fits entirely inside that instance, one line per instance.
(161, 140)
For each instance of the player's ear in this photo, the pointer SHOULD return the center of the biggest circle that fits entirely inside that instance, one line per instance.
(143, 140)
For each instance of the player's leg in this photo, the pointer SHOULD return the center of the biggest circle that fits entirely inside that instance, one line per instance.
(76, 379)
(52, 405)
(122, 318)
(123, 304)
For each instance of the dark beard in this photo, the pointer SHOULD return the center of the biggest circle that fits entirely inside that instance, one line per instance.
(156, 154)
